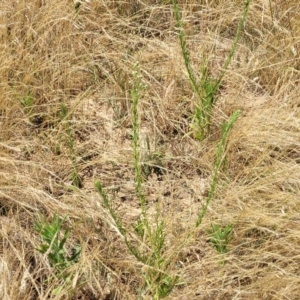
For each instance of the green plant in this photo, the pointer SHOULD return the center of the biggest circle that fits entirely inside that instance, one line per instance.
(220, 237)
(218, 163)
(28, 105)
(27, 102)
(123, 231)
(159, 282)
(150, 250)
(70, 141)
(206, 90)
(136, 89)
(53, 244)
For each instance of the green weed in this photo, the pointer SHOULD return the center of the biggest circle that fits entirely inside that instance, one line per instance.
(136, 89)
(118, 222)
(152, 238)
(27, 102)
(220, 159)
(220, 237)
(207, 88)
(53, 244)
(157, 282)
(206, 91)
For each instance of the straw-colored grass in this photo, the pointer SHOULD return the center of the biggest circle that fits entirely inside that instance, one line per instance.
(57, 54)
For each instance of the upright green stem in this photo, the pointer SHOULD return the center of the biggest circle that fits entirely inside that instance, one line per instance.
(207, 88)
(185, 51)
(236, 40)
(219, 161)
(135, 96)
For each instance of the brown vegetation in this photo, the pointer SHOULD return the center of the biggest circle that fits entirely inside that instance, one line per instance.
(57, 53)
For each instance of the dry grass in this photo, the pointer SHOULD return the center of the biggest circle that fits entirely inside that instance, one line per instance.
(52, 55)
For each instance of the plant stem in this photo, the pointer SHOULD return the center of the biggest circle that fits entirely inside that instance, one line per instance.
(219, 161)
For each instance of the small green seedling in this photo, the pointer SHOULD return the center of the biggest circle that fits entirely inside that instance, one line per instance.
(53, 244)
(27, 102)
(28, 106)
(220, 237)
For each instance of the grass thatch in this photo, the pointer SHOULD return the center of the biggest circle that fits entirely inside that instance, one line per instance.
(66, 122)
